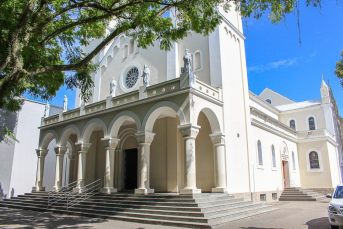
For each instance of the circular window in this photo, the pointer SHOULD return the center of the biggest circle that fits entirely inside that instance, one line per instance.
(131, 77)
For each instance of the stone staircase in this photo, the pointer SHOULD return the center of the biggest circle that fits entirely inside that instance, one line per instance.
(197, 211)
(298, 194)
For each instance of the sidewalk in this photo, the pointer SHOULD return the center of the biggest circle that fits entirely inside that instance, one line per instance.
(291, 215)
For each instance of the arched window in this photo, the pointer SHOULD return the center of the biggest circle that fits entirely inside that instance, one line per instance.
(132, 46)
(260, 159)
(293, 160)
(125, 51)
(269, 101)
(197, 61)
(314, 160)
(311, 123)
(273, 156)
(292, 124)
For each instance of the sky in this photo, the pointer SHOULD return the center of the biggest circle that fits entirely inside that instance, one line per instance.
(276, 59)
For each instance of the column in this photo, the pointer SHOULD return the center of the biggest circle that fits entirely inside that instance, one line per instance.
(71, 167)
(110, 145)
(41, 153)
(218, 141)
(144, 140)
(82, 149)
(60, 151)
(189, 132)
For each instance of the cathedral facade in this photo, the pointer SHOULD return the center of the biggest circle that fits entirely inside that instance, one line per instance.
(184, 121)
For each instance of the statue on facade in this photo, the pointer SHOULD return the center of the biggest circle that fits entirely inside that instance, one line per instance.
(46, 110)
(146, 76)
(187, 62)
(113, 87)
(65, 103)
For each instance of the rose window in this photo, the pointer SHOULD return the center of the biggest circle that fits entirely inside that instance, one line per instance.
(131, 77)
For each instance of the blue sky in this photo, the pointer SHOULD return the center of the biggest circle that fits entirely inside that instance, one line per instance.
(276, 60)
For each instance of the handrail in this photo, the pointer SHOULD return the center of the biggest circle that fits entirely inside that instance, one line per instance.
(82, 193)
(61, 193)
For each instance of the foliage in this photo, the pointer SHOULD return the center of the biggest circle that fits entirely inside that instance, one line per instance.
(339, 69)
(40, 39)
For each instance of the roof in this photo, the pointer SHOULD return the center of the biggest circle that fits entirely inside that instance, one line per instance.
(268, 89)
(295, 106)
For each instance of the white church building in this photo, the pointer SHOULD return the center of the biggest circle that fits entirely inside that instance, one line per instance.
(194, 131)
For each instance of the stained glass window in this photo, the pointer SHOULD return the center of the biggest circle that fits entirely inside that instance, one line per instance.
(314, 161)
(292, 124)
(273, 156)
(311, 123)
(259, 146)
(131, 77)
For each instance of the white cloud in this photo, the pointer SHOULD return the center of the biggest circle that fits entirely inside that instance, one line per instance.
(314, 54)
(273, 65)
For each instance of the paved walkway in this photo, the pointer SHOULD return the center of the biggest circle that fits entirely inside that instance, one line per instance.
(291, 215)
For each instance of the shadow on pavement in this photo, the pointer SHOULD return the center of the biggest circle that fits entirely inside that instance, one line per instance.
(261, 227)
(14, 218)
(319, 223)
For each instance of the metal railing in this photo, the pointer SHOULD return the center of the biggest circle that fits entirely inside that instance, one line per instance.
(61, 193)
(74, 193)
(79, 194)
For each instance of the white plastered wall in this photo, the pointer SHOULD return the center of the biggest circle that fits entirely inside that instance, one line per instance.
(267, 178)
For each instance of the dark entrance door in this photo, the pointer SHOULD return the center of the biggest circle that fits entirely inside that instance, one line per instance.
(130, 169)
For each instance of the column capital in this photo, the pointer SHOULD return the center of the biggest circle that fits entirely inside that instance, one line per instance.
(83, 146)
(145, 137)
(60, 150)
(218, 138)
(110, 143)
(189, 130)
(71, 156)
(41, 152)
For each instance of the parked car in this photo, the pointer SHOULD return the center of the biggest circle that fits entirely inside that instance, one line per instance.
(335, 209)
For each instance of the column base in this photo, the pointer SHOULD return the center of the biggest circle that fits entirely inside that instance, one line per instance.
(219, 190)
(109, 190)
(143, 191)
(56, 188)
(38, 189)
(190, 191)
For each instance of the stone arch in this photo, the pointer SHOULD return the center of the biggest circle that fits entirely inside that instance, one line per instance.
(119, 119)
(66, 132)
(216, 125)
(47, 138)
(157, 110)
(89, 128)
(124, 135)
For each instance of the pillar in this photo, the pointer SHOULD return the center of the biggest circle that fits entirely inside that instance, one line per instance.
(110, 145)
(189, 132)
(82, 149)
(144, 140)
(218, 141)
(41, 153)
(71, 167)
(60, 151)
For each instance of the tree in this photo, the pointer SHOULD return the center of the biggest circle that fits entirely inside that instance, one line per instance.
(339, 69)
(40, 39)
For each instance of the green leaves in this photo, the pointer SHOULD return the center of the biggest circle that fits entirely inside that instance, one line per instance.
(339, 69)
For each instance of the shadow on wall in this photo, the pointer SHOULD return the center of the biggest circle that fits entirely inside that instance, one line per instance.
(7, 120)
(31, 219)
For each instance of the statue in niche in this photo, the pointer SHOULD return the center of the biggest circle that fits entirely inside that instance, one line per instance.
(113, 87)
(187, 62)
(46, 110)
(146, 76)
(65, 103)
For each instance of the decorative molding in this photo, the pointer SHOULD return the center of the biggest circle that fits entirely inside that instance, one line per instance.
(82, 146)
(145, 137)
(189, 130)
(42, 152)
(110, 143)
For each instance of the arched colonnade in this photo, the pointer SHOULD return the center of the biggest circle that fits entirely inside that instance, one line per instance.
(114, 139)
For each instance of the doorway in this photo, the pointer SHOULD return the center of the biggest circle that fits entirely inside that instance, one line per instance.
(285, 174)
(130, 169)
